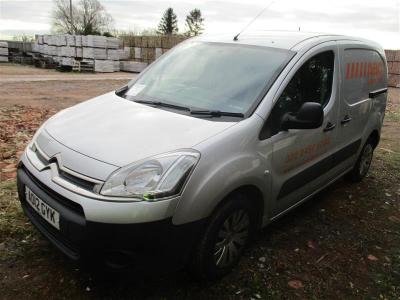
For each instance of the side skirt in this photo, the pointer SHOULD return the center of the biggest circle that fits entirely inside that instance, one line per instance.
(281, 214)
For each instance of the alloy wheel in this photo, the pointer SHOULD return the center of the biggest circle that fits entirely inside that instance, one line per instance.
(366, 159)
(232, 238)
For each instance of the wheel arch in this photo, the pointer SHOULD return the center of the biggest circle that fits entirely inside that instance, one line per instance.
(251, 192)
(374, 137)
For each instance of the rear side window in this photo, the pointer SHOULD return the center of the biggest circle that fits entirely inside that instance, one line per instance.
(364, 71)
(311, 83)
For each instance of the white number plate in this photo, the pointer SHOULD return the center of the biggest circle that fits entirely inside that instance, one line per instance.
(44, 210)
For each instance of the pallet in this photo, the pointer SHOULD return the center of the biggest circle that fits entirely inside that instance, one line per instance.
(43, 62)
(80, 66)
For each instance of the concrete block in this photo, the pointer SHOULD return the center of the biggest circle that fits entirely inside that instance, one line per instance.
(132, 66)
(104, 66)
(137, 41)
(158, 52)
(70, 39)
(144, 42)
(394, 67)
(78, 41)
(4, 51)
(94, 53)
(112, 43)
(151, 54)
(144, 52)
(166, 42)
(397, 55)
(151, 41)
(67, 61)
(113, 54)
(137, 53)
(157, 42)
(79, 52)
(394, 80)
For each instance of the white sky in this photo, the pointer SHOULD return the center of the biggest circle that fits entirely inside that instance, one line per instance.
(378, 20)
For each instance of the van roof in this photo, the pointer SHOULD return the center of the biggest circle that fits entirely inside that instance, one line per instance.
(290, 40)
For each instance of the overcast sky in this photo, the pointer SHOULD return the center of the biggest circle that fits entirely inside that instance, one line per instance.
(378, 20)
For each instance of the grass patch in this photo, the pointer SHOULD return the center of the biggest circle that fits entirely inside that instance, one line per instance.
(16, 233)
(392, 117)
(11, 215)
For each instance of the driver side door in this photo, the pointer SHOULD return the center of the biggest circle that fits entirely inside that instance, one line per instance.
(302, 159)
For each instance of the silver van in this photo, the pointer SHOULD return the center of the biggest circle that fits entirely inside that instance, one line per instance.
(217, 138)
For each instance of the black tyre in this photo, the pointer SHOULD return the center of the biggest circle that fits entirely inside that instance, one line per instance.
(363, 163)
(224, 239)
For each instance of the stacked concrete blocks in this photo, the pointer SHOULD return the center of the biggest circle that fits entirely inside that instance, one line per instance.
(3, 52)
(393, 60)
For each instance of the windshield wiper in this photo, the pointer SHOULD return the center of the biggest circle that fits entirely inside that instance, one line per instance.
(163, 104)
(216, 113)
(212, 113)
(120, 91)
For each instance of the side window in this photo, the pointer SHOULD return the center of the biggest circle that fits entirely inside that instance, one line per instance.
(364, 71)
(311, 83)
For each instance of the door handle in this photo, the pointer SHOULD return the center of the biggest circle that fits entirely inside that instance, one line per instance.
(346, 119)
(329, 127)
(376, 93)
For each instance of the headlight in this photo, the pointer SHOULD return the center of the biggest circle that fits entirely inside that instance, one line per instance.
(159, 177)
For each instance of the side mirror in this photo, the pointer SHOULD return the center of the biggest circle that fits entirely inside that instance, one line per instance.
(310, 115)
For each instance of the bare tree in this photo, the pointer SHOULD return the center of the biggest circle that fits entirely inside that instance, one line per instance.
(62, 21)
(23, 38)
(88, 17)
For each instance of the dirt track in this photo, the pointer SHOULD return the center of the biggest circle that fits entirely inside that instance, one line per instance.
(18, 73)
(21, 85)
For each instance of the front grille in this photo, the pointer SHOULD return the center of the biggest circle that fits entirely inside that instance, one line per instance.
(57, 197)
(85, 184)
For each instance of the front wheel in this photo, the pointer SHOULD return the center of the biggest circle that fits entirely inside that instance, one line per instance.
(224, 239)
(363, 163)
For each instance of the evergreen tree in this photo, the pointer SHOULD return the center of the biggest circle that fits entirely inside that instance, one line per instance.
(194, 23)
(168, 23)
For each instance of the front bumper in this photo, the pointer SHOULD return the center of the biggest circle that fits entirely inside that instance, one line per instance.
(142, 245)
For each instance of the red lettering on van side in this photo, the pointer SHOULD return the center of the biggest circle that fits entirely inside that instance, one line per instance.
(347, 71)
(357, 69)
(369, 69)
(365, 69)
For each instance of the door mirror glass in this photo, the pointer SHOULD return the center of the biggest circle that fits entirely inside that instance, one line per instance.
(310, 115)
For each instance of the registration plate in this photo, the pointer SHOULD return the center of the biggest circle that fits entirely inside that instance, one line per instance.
(42, 208)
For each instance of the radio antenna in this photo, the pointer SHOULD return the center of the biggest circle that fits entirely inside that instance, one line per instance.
(236, 37)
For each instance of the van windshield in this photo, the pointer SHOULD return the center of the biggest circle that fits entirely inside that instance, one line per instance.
(211, 76)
